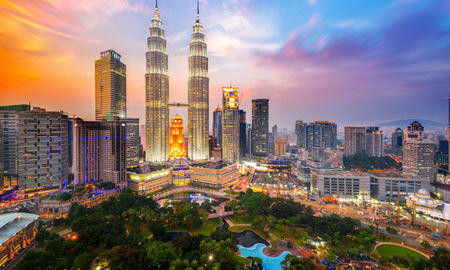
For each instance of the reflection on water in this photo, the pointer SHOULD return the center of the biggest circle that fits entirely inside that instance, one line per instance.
(173, 236)
(246, 238)
(190, 197)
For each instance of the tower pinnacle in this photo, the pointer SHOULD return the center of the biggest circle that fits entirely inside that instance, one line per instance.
(198, 12)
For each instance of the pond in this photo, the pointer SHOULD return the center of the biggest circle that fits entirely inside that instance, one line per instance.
(268, 263)
(187, 197)
(246, 238)
(173, 236)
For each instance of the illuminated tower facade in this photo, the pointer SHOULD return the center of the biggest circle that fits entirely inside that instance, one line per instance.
(177, 147)
(157, 93)
(198, 95)
(110, 87)
(230, 130)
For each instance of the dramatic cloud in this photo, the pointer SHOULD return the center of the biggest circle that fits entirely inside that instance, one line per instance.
(366, 76)
(314, 60)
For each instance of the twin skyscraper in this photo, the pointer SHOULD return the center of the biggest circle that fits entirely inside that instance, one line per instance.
(157, 94)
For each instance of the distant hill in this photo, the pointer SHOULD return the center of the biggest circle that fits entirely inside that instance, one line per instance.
(430, 126)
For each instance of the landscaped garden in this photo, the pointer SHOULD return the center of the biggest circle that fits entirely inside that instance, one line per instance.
(134, 232)
(394, 250)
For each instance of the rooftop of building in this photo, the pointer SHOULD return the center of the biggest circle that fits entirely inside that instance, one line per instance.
(441, 185)
(212, 165)
(12, 223)
(18, 107)
(394, 174)
(340, 173)
(147, 168)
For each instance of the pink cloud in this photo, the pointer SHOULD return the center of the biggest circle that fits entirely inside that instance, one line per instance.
(314, 21)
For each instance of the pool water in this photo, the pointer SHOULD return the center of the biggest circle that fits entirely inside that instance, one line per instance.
(268, 263)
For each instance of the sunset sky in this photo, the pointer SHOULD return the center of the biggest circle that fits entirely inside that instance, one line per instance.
(347, 61)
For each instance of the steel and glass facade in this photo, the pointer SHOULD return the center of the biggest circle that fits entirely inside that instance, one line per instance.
(198, 95)
(99, 151)
(110, 87)
(230, 136)
(217, 125)
(157, 93)
(260, 127)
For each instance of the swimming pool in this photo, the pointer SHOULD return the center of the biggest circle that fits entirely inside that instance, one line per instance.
(268, 263)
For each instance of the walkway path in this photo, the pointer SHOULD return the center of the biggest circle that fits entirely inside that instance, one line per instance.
(400, 245)
(64, 232)
(231, 224)
(220, 211)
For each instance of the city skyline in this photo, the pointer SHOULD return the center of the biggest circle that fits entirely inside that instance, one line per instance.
(246, 42)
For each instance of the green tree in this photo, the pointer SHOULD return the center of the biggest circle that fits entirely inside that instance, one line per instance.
(39, 260)
(82, 262)
(161, 254)
(158, 230)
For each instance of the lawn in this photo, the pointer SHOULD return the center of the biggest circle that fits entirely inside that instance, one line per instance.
(59, 228)
(208, 227)
(239, 220)
(243, 260)
(392, 250)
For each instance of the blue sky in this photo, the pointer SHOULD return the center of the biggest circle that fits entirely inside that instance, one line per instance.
(347, 61)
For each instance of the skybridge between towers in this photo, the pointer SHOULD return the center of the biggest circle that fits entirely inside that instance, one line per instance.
(178, 105)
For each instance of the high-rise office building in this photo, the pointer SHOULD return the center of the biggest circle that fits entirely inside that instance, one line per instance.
(448, 131)
(110, 87)
(157, 93)
(414, 131)
(198, 95)
(35, 147)
(176, 140)
(418, 153)
(217, 125)
(317, 134)
(99, 149)
(270, 144)
(242, 134)
(230, 130)
(397, 142)
(300, 131)
(275, 132)
(374, 142)
(418, 158)
(249, 138)
(132, 141)
(260, 127)
(355, 140)
(9, 120)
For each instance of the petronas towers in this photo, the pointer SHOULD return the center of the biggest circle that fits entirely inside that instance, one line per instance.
(157, 94)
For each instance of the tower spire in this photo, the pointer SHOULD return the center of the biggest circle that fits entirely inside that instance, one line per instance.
(156, 4)
(198, 12)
